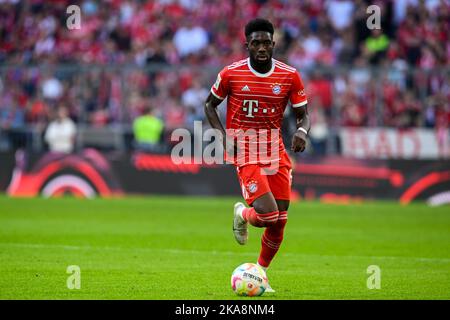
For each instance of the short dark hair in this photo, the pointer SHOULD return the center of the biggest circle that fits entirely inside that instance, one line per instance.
(258, 24)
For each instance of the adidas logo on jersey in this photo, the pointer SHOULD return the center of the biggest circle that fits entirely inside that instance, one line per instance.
(245, 88)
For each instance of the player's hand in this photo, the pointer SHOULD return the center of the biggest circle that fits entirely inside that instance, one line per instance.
(298, 142)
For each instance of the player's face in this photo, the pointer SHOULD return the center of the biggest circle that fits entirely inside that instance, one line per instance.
(260, 47)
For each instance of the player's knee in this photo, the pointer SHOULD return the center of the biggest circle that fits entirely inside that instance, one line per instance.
(283, 205)
(265, 204)
(263, 208)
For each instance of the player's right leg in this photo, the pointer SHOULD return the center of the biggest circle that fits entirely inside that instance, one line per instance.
(240, 227)
(263, 213)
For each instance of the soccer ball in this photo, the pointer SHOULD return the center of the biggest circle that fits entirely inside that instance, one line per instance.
(249, 279)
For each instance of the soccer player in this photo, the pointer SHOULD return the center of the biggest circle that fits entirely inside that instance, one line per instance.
(258, 90)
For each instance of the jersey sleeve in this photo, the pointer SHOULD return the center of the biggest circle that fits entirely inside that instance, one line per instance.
(220, 87)
(297, 95)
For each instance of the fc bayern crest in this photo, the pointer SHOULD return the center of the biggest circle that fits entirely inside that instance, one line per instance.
(252, 186)
(276, 89)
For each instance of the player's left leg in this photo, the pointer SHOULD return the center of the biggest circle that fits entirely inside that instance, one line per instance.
(280, 185)
(273, 236)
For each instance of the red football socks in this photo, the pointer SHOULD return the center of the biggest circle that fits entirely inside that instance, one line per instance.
(271, 240)
(259, 219)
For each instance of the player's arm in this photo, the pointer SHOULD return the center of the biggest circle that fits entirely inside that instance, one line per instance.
(211, 105)
(303, 126)
(212, 115)
(217, 94)
(300, 108)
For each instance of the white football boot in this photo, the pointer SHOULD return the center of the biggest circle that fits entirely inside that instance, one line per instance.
(269, 289)
(240, 228)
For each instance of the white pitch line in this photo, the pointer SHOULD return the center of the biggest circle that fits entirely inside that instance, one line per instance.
(211, 252)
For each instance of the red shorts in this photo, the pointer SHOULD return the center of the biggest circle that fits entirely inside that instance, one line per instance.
(256, 180)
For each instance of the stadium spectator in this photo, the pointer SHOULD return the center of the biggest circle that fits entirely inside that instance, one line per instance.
(190, 38)
(52, 88)
(376, 46)
(148, 130)
(12, 122)
(193, 98)
(359, 76)
(320, 87)
(61, 132)
(340, 13)
(318, 133)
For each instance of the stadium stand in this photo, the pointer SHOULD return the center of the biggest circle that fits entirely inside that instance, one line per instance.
(129, 53)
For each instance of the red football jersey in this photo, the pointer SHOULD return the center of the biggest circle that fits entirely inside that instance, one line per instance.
(258, 101)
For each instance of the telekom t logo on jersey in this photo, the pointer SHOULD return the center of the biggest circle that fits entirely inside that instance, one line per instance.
(252, 106)
(250, 109)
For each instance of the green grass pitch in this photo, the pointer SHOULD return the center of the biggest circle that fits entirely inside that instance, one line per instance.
(183, 248)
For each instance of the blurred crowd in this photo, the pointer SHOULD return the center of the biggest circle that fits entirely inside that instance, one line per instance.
(129, 56)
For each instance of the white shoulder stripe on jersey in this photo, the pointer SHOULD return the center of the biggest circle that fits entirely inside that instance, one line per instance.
(239, 62)
(290, 71)
(216, 95)
(300, 104)
(281, 65)
(235, 65)
(283, 68)
(284, 65)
